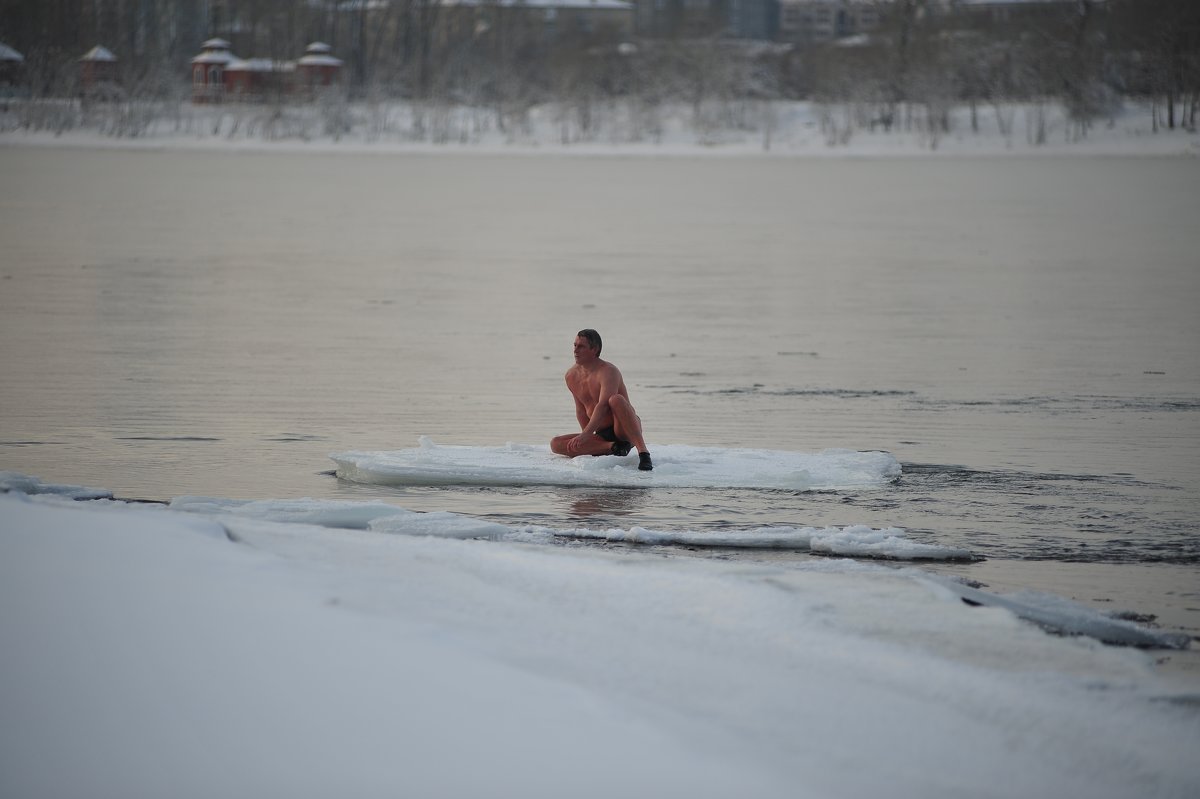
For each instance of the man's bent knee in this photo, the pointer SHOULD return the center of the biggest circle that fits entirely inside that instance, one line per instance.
(616, 402)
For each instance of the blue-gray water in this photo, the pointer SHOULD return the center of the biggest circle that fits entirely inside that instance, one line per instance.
(1021, 333)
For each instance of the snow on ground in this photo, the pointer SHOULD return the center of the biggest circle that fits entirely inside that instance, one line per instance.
(726, 128)
(150, 651)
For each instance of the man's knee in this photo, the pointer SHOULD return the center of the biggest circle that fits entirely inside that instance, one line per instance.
(618, 403)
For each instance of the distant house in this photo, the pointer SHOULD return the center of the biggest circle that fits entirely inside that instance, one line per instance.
(218, 74)
(97, 67)
(685, 18)
(11, 65)
(819, 21)
(257, 78)
(208, 71)
(317, 67)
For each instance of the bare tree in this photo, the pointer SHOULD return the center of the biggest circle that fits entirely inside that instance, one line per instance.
(1158, 46)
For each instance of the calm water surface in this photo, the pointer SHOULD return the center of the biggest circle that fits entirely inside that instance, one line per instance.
(1022, 334)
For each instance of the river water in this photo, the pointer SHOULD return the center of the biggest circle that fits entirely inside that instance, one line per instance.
(1021, 333)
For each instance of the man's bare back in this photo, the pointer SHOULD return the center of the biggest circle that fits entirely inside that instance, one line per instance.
(608, 423)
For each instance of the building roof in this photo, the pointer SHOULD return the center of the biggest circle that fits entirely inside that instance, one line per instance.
(214, 57)
(857, 40)
(98, 53)
(216, 51)
(9, 54)
(317, 54)
(259, 65)
(319, 61)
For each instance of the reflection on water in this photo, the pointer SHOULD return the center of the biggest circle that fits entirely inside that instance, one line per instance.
(603, 506)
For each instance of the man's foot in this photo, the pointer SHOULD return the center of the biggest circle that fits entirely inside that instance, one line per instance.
(644, 462)
(621, 448)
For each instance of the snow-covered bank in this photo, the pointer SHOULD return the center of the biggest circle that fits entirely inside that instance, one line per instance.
(143, 652)
(736, 128)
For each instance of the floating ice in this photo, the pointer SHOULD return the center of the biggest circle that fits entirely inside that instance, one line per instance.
(377, 516)
(443, 525)
(853, 541)
(325, 513)
(12, 481)
(675, 466)
(863, 542)
(857, 541)
(1061, 615)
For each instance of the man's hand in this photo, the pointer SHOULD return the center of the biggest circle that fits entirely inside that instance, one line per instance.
(583, 444)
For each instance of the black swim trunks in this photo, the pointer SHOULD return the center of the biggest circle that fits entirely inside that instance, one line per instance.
(619, 447)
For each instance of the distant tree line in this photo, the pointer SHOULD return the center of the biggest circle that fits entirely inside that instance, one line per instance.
(1085, 55)
(927, 56)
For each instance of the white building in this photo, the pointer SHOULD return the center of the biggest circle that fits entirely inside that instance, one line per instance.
(815, 21)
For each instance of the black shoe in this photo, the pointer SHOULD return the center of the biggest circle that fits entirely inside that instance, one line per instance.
(621, 448)
(644, 462)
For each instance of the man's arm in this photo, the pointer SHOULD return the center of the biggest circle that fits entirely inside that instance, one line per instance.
(610, 378)
(581, 414)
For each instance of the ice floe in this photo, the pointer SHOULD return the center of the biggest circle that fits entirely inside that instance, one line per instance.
(852, 541)
(1061, 615)
(12, 481)
(323, 512)
(675, 466)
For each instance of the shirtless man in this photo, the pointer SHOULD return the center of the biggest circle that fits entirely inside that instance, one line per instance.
(610, 425)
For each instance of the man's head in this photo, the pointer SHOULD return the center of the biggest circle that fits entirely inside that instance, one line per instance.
(587, 344)
(593, 339)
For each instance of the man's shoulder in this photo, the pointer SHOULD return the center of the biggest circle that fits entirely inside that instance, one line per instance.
(577, 372)
(576, 376)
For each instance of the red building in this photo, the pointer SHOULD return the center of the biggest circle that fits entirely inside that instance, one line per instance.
(258, 78)
(97, 67)
(317, 68)
(11, 64)
(217, 74)
(208, 71)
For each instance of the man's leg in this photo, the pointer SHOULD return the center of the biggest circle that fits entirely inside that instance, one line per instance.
(575, 445)
(628, 426)
(626, 423)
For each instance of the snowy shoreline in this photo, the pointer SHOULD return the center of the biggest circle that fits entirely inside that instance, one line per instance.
(788, 130)
(151, 650)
